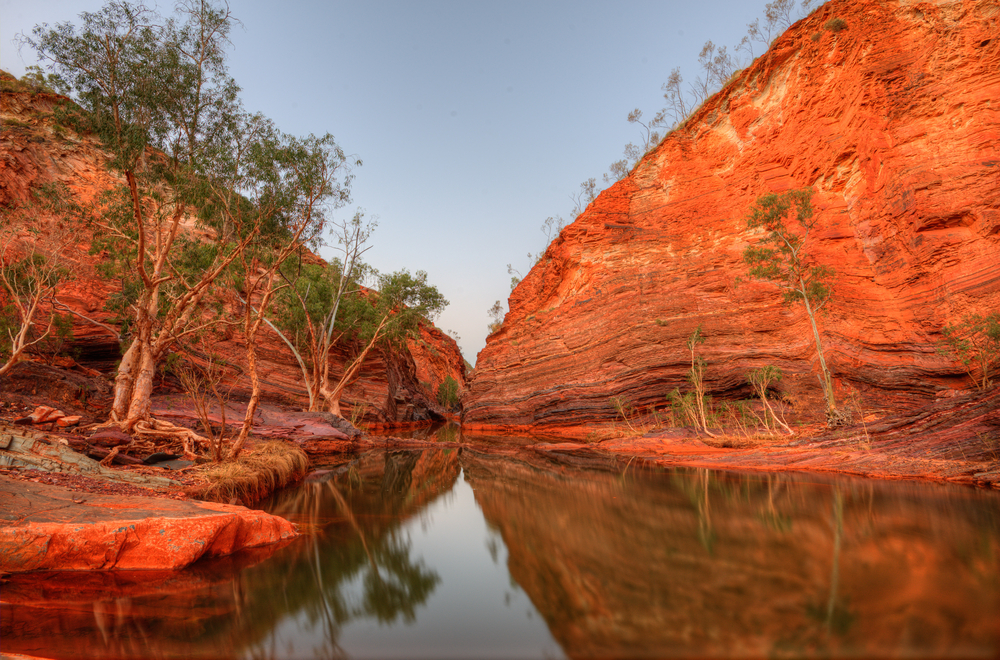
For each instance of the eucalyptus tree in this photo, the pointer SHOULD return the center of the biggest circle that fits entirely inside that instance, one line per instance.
(781, 255)
(151, 84)
(30, 269)
(385, 317)
(330, 306)
(308, 316)
(307, 179)
(162, 101)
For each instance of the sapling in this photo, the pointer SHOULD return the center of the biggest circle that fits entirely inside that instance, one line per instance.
(781, 256)
(760, 379)
(696, 376)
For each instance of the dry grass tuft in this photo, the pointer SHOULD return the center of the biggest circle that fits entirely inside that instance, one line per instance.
(254, 475)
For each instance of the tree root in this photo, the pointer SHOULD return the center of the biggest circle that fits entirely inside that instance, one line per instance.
(107, 460)
(149, 429)
(157, 428)
(836, 417)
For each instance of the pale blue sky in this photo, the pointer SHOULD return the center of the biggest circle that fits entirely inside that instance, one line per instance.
(475, 120)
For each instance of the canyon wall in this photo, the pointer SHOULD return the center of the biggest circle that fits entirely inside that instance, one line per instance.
(400, 386)
(895, 124)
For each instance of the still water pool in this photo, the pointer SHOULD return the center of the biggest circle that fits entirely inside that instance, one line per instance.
(456, 553)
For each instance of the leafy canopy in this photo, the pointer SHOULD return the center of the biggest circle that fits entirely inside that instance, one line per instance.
(780, 255)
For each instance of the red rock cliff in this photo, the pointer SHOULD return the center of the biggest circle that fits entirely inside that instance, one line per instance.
(894, 121)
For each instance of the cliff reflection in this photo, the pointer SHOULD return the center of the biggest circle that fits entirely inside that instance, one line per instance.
(701, 563)
(352, 564)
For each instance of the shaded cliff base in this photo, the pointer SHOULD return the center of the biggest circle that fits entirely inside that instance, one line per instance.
(951, 439)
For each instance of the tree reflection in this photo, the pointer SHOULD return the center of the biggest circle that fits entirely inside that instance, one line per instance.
(404, 586)
(355, 563)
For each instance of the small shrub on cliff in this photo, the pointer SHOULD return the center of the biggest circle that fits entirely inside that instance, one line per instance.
(696, 376)
(975, 342)
(496, 313)
(835, 25)
(683, 410)
(625, 409)
(760, 379)
(447, 393)
(36, 80)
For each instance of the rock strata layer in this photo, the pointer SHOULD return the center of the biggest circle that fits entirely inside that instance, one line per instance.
(893, 121)
(52, 528)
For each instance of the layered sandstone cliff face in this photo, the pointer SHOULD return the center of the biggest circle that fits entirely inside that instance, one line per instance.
(397, 387)
(895, 123)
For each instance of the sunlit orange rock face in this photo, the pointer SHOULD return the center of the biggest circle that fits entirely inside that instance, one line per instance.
(894, 122)
(59, 529)
(400, 387)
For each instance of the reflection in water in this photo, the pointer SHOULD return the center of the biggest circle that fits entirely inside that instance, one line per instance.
(352, 564)
(527, 558)
(362, 569)
(696, 563)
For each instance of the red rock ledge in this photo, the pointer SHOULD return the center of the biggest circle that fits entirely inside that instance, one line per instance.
(51, 528)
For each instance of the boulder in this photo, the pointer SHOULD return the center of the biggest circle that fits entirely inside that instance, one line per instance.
(51, 528)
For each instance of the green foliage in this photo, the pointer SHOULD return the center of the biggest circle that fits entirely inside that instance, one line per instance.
(781, 256)
(447, 393)
(109, 63)
(683, 408)
(404, 300)
(975, 343)
(394, 310)
(37, 80)
(835, 25)
(496, 313)
(313, 284)
(174, 364)
(738, 414)
(761, 379)
(29, 272)
(54, 344)
(696, 376)
(9, 325)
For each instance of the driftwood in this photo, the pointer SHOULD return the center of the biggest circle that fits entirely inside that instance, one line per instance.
(101, 454)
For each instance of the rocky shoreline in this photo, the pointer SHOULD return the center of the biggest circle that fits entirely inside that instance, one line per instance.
(65, 511)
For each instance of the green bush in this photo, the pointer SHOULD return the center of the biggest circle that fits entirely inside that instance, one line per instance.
(447, 393)
(975, 342)
(835, 25)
